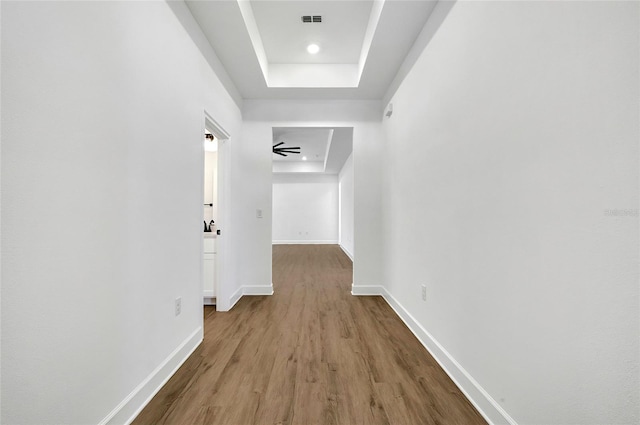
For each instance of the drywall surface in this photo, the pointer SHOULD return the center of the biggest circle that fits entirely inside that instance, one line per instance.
(252, 172)
(260, 116)
(102, 118)
(298, 167)
(345, 183)
(210, 187)
(511, 192)
(305, 208)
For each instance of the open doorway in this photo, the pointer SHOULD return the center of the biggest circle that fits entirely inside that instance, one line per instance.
(211, 217)
(215, 214)
(312, 195)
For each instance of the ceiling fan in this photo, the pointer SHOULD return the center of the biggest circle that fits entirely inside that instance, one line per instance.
(283, 151)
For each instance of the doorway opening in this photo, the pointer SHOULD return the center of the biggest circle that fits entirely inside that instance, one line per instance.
(215, 214)
(210, 217)
(312, 194)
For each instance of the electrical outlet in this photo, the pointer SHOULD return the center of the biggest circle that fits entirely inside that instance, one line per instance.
(178, 306)
(424, 292)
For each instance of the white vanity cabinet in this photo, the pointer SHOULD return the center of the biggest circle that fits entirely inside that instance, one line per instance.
(209, 269)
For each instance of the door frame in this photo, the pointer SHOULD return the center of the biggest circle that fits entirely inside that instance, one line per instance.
(223, 220)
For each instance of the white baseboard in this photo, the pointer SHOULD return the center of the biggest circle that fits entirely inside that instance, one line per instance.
(132, 405)
(483, 402)
(235, 297)
(249, 290)
(367, 290)
(346, 251)
(257, 290)
(305, 242)
(208, 298)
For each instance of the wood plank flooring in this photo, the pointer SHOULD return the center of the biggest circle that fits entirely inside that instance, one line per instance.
(310, 354)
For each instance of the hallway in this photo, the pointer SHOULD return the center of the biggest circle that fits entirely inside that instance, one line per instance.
(310, 354)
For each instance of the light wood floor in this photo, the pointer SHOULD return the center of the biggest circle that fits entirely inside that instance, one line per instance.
(309, 354)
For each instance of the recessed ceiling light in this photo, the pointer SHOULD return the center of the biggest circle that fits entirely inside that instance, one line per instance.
(313, 48)
(304, 158)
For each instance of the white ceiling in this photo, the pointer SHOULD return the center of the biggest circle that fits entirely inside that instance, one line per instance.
(326, 149)
(262, 44)
(313, 142)
(285, 37)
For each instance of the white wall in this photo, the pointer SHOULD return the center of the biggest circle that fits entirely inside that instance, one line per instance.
(102, 119)
(210, 186)
(513, 135)
(305, 208)
(298, 166)
(345, 182)
(260, 116)
(252, 172)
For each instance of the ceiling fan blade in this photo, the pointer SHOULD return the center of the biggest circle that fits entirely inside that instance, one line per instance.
(275, 146)
(281, 154)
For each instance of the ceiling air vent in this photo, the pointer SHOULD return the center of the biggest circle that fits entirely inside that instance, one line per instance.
(307, 19)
